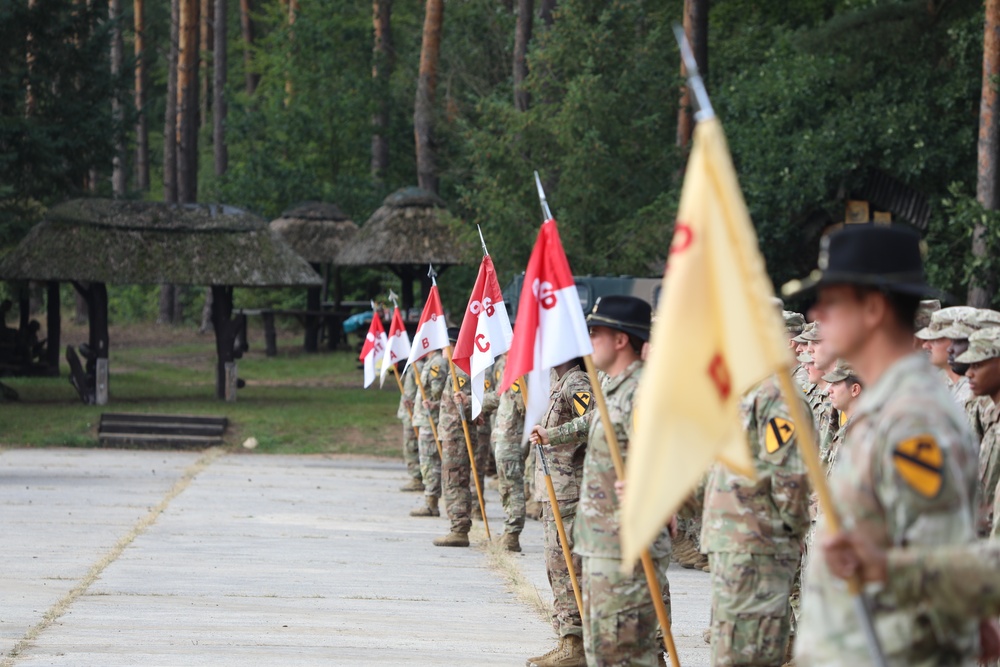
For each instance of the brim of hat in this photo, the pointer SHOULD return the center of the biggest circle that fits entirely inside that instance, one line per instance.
(971, 356)
(818, 279)
(835, 377)
(957, 332)
(926, 334)
(641, 334)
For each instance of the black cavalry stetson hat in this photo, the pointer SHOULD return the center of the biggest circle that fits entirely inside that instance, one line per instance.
(453, 334)
(883, 256)
(624, 313)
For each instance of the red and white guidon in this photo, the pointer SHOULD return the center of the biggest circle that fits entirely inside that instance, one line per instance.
(485, 333)
(550, 327)
(398, 347)
(432, 331)
(373, 349)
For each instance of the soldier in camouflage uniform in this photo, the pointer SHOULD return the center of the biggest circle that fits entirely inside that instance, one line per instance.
(983, 357)
(569, 398)
(845, 388)
(753, 530)
(506, 438)
(936, 344)
(456, 470)
(907, 475)
(481, 429)
(959, 331)
(620, 624)
(411, 442)
(433, 375)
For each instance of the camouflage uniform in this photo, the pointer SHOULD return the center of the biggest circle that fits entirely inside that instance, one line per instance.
(507, 436)
(801, 377)
(481, 430)
(432, 376)
(752, 532)
(411, 445)
(621, 624)
(456, 471)
(908, 477)
(955, 580)
(569, 397)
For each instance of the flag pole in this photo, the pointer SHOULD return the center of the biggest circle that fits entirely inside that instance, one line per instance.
(652, 580)
(560, 528)
(468, 444)
(806, 441)
(423, 395)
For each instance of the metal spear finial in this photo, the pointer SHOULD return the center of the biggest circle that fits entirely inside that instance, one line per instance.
(541, 196)
(394, 298)
(432, 274)
(694, 80)
(482, 240)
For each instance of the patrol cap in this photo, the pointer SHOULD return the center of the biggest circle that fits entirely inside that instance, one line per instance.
(809, 334)
(926, 308)
(840, 372)
(983, 344)
(941, 320)
(794, 322)
(622, 313)
(968, 323)
(882, 256)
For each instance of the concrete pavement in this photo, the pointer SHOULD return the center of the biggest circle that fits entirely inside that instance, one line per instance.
(166, 558)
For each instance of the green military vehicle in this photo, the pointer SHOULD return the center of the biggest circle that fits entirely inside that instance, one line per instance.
(590, 288)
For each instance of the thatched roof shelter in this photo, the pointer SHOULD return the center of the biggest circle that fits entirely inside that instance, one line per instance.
(138, 242)
(316, 230)
(410, 230)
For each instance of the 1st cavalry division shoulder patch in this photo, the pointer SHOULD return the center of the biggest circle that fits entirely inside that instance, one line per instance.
(581, 401)
(919, 461)
(516, 386)
(779, 432)
(461, 381)
(435, 371)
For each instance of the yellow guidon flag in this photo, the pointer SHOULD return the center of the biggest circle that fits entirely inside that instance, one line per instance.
(717, 333)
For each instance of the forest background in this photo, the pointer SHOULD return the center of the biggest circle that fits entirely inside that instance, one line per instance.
(273, 102)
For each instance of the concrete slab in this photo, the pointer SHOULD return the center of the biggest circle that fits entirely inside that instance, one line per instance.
(262, 561)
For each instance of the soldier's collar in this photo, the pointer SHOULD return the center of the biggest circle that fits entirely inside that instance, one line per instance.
(877, 395)
(615, 382)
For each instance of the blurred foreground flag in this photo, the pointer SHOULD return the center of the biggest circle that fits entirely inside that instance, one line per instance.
(717, 333)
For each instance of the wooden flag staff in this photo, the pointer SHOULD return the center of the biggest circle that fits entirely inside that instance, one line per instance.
(423, 395)
(560, 528)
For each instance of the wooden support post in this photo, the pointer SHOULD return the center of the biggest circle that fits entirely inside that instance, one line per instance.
(270, 335)
(225, 335)
(231, 380)
(101, 382)
(311, 343)
(53, 328)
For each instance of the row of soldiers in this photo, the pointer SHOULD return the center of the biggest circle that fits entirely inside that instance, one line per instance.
(902, 460)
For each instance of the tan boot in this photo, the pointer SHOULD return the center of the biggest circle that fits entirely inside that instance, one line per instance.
(569, 653)
(511, 542)
(430, 509)
(453, 539)
(413, 485)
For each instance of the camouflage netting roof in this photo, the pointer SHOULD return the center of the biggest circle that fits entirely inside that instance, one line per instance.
(134, 242)
(316, 230)
(411, 227)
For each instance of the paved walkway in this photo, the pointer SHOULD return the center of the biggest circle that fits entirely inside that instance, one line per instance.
(166, 558)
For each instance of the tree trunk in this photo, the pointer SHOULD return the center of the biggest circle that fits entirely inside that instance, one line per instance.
(187, 103)
(246, 25)
(141, 125)
(423, 109)
(170, 116)
(547, 12)
(53, 327)
(293, 10)
(206, 312)
(220, 64)
(987, 189)
(119, 163)
(522, 35)
(696, 30)
(206, 41)
(79, 307)
(383, 60)
(29, 57)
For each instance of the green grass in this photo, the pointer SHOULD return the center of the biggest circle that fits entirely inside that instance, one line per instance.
(293, 403)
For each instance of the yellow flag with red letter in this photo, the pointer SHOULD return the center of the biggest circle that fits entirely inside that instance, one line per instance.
(717, 334)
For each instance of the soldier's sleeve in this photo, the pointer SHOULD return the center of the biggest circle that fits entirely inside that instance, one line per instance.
(491, 401)
(961, 580)
(921, 470)
(410, 384)
(779, 455)
(573, 431)
(577, 394)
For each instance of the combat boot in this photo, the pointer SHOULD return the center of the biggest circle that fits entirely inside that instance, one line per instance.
(511, 542)
(453, 539)
(569, 653)
(430, 509)
(413, 485)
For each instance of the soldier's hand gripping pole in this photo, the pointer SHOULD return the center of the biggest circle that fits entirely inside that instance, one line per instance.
(468, 444)
(423, 395)
(560, 527)
(652, 580)
(805, 439)
(409, 411)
